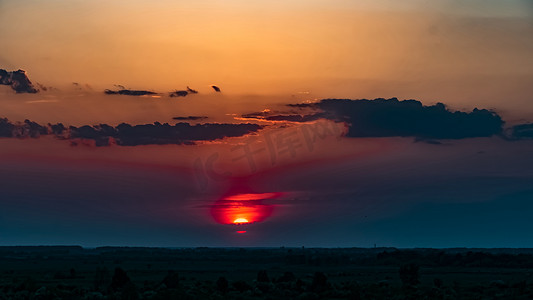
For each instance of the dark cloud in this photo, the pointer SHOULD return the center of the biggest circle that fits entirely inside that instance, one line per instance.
(178, 94)
(257, 115)
(22, 130)
(521, 131)
(288, 117)
(18, 80)
(391, 118)
(128, 135)
(43, 87)
(297, 118)
(192, 118)
(129, 92)
(160, 134)
(46, 88)
(57, 129)
(6, 128)
(121, 90)
(192, 91)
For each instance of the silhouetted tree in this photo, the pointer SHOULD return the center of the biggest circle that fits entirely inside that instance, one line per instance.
(44, 293)
(28, 284)
(60, 275)
(320, 282)
(101, 278)
(222, 285)
(300, 285)
(437, 282)
(129, 292)
(120, 279)
(354, 290)
(409, 274)
(172, 280)
(241, 286)
(287, 277)
(262, 276)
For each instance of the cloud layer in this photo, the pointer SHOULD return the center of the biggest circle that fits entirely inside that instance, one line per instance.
(160, 134)
(127, 134)
(394, 118)
(129, 92)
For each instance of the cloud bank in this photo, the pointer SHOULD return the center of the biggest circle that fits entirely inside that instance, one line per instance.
(127, 134)
(160, 134)
(394, 118)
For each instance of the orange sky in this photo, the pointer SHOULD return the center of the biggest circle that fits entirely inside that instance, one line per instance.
(263, 54)
(447, 51)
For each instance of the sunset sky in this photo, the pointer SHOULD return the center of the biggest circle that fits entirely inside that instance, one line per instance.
(274, 159)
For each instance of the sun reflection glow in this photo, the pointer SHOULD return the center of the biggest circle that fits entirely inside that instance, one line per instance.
(244, 197)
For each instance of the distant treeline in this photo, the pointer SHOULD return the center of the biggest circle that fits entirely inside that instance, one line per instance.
(468, 259)
(455, 257)
(425, 258)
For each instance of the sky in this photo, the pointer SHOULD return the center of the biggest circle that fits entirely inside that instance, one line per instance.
(270, 160)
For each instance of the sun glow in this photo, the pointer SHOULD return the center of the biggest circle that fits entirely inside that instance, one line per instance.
(243, 208)
(240, 221)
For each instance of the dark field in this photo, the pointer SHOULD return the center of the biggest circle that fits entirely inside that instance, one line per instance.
(269, 273)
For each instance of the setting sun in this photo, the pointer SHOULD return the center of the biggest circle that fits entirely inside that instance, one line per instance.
(240, 221)
(243, 208)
